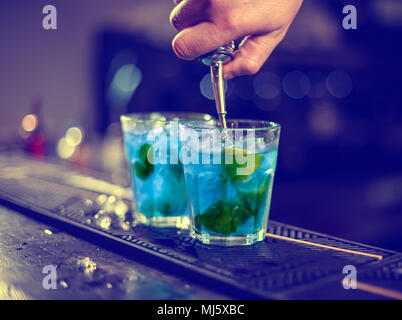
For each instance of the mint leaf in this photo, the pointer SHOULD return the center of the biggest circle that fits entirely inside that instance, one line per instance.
(217, 218)
(225, 216)
(143, 168)
(164, 208)
(141, 171)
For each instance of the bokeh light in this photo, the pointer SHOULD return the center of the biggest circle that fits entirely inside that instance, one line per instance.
(339, 83)
(267, 85)
(318, 88)
(296, 84)
(324, 120)
(29, 122)
(74, 136)
(127, 78)
(64, 149)
(206, 87)
(123, 85)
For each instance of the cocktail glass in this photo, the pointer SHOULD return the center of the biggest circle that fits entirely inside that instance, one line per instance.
(229, 174)
(151, 146)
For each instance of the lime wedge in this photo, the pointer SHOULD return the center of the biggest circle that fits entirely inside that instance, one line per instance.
(243, 163)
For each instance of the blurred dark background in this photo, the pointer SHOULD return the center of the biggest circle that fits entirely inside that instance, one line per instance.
(337, 94)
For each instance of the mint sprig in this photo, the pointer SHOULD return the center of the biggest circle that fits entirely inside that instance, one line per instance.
(225, 216)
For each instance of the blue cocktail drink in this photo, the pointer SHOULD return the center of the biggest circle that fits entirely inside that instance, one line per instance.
(229, 175)
(151, 144)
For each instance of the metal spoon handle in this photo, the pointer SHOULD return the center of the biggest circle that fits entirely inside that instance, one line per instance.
(216, 59)
(218, 85)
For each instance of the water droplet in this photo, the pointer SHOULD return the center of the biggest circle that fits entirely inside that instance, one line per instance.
(101, 199)
(88, 202)
(87, 266)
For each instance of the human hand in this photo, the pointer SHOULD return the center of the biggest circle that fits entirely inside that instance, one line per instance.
(205, 25)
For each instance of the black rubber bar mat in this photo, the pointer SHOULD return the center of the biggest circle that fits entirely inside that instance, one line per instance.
(290, 263)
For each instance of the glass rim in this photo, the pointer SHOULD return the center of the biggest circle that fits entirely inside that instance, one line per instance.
(175, 115)
(267, 125)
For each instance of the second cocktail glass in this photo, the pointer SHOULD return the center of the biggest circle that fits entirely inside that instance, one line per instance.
(151, 145)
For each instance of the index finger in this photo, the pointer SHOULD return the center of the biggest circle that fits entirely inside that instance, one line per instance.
(199, 39)
(187, 13)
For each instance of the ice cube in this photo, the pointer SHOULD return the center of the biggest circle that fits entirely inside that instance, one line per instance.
(169, 189)
(154, 133)
(255, 181)
(210, 189)
(269, 159)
